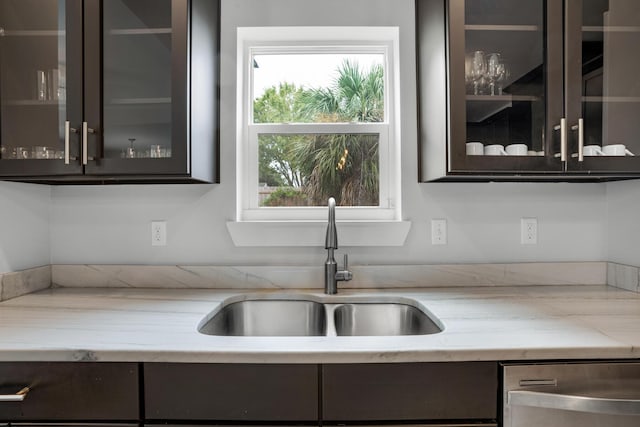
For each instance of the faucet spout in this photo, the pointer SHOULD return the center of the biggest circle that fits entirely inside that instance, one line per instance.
(331, 273)
(331, 241)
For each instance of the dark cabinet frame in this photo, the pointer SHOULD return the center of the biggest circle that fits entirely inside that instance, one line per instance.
(440, 39)
(194, 138)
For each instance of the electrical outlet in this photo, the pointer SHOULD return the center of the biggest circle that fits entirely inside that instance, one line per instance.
(529, 231)
(158, 233)
(438, 231)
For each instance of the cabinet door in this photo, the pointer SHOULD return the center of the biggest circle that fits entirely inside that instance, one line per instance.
(70, 391)
(136, 83)
(410, 392)
(504, 91)
(603, 90)
(40, 87)
(231, 393)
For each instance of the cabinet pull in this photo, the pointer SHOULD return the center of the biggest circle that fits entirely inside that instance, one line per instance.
(67, 130)
(567, 402)
(562, 127)
(18, 397)
(580, 128)
(86, 130)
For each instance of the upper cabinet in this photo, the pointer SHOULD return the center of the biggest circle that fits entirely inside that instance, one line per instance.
(109, 91)
(528, 89)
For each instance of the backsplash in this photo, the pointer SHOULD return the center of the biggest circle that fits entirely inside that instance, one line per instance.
(23, 282)
(623, 276)
(278, 277)
(19, 283)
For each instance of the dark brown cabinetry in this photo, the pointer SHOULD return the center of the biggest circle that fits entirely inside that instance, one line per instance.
(342, 394)
(116, 91)
(70, 392)
(123, 394)
(265, 393)
(410, 392)
(545, 83)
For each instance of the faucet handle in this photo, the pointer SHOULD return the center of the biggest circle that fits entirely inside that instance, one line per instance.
(344, 275)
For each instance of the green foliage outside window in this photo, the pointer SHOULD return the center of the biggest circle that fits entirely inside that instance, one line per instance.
(314, 167)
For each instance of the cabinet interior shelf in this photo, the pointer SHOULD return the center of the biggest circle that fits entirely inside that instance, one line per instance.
(32, 33)
(34, 102)
(606, 99)
(139, 31)
(611, 29)
(470, 27)
(139, 101)
(481, 107)
(501, 98)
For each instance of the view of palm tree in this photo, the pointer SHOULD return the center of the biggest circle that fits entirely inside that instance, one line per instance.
(307, 169)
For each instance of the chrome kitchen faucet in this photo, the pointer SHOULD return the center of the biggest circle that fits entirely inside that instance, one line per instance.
(331, 273)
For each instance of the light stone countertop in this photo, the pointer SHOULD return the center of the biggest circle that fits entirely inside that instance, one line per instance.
(481, 323)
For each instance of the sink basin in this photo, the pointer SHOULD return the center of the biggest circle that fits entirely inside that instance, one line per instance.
(381, 319)
(267, 318)
(312, 315)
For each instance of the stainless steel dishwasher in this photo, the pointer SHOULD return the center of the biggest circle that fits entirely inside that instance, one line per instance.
(603, 394)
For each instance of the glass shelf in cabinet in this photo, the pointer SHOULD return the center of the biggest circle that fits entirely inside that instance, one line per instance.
(138, 31)
(34, 102)
(31, 33)
(475, 27)
(139, 101)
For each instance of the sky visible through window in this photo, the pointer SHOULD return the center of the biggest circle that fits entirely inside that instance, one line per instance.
(304, 70)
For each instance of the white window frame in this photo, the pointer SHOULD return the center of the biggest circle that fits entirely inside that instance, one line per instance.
(265, 40)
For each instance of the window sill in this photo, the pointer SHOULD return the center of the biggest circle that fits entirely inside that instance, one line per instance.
(313, 233)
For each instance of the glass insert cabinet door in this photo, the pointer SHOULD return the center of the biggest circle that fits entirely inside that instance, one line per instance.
(603, 84)
(143, 126)
(40, 67)
(505, 58)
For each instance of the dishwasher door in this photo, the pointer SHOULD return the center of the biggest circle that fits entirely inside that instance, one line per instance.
(571, 394)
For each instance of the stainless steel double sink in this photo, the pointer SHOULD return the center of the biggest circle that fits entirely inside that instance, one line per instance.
(301, 315)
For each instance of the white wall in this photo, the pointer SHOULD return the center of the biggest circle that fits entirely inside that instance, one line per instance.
(112, 224)
(623, 222)
(24, 226)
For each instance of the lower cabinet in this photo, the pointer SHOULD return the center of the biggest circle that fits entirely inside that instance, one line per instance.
(96, 394)
(74, 392)
(410, 392)
(231, 392)
(455, 393)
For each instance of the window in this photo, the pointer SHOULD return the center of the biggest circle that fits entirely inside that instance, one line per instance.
(317, 110)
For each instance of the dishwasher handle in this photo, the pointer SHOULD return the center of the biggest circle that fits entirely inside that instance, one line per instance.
(568, 402)
(18, 397)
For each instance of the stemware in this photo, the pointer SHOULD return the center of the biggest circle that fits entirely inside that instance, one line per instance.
(493, 71)
(131, 151)
(478, 71)
(503, 74)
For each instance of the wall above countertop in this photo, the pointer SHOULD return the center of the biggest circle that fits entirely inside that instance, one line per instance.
(97, 225)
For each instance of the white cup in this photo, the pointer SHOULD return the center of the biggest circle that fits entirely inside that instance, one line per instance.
(616, 150)
(494, 150)
(517, 149)
(475, 148)
(592, 150)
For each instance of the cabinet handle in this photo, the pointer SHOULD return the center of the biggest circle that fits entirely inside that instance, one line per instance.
(562, 127)
(67, 130)
(86, 130)
(18, 397)
(567, 402)
(580, 128)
